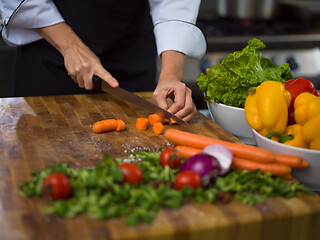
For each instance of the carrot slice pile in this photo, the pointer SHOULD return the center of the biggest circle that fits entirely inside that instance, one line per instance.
(153, 118)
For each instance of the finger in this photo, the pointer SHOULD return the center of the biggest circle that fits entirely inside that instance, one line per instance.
(106, 76)
(161, 98)
(189, 110)
(83, 77)
(179, 99)
(73, 75)
(191, 114)
(80, 81)
(188, 113)
(87, 78)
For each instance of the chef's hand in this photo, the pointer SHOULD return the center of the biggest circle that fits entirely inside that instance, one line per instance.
(81, 63)
(170, 85)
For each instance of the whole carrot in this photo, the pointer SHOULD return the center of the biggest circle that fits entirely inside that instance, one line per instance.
(104, 126)
(292, 161)
(276, 169)
(186, 151)
(178, 137)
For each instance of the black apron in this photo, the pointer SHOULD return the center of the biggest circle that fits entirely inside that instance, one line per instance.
(120, 33)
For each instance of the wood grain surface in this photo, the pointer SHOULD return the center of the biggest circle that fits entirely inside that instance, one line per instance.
(40, 131)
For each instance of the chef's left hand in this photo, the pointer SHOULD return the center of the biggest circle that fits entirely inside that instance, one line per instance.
(170, 85)
(181, 95)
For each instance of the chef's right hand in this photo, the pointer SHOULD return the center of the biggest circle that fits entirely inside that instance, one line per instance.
(81, 63)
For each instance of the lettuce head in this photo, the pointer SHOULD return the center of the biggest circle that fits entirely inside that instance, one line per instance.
(228, 82)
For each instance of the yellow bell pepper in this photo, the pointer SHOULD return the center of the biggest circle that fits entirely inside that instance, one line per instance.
(266, 110)
(292, 136)
(315, 144)
(307, 113)
(295, 131)
(306, 106)
(311, 132)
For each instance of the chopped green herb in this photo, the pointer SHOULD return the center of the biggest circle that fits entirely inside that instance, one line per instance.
(100, 192)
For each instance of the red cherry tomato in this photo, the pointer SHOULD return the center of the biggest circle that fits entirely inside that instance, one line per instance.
(170, 157)
(57, 185)
(131, 172)
(187, 179)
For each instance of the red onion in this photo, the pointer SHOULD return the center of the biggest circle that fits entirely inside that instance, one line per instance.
(206, 166)
(222, 154)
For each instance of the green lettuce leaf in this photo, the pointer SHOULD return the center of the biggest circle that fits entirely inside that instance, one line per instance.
(228, 81)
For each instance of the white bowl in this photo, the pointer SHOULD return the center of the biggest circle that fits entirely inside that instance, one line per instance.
(233, 120)
(310, 176)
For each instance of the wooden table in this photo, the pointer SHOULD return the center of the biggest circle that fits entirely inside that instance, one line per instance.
(39, 131)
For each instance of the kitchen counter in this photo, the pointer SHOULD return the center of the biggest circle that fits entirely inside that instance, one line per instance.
(278, 42)
(39, 131)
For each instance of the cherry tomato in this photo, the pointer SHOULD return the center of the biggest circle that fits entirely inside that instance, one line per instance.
(170, 157)
(131, 172)
(57, 185)
(187, 179)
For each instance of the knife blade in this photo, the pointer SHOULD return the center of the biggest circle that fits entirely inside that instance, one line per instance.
(132, 98)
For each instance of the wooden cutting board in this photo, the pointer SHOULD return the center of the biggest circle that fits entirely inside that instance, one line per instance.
(39, 131)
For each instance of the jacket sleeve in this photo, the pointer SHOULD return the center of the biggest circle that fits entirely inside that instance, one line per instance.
(175, 29)
(19, 18)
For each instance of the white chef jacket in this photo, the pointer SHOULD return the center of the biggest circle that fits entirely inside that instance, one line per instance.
(174, 23)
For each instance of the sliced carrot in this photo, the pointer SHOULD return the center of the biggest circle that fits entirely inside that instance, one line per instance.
(186, 151)
(120, 125)
(173, 121)
(158, 128)
(104, 126)
(292, 161)
(142, 123)
(178, 137)
(153, 118)
(276, 169)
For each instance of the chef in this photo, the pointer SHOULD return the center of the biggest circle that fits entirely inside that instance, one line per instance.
(118, 40)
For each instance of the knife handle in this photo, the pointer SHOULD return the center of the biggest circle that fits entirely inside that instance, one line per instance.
(96, 82)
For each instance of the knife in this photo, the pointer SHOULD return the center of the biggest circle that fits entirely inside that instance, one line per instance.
(132, 98)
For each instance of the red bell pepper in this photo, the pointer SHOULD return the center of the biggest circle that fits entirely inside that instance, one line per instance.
(295, 87)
